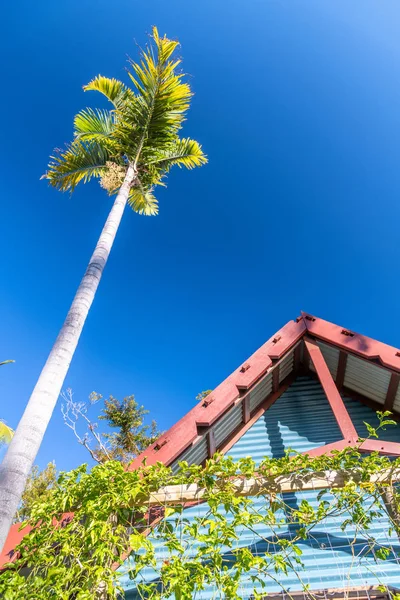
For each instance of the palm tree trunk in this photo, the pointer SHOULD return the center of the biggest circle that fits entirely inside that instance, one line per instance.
(26, 442)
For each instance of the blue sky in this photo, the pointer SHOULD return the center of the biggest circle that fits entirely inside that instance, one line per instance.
(297, 105)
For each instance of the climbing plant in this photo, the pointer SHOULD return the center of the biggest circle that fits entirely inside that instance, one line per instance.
(119, 513)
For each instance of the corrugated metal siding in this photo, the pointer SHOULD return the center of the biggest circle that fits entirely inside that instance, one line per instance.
(327, 557)
(228, 424)
(361, 414)
(260, 392)
(301, 419)
(366, 378)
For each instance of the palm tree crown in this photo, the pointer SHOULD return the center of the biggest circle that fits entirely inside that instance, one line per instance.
(141, 129)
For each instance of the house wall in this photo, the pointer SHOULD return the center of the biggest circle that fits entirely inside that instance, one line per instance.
(302, 420)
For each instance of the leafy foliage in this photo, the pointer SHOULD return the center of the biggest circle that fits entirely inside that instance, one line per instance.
(72, 558)
(38, 489)
(141, 129)
(132, 436)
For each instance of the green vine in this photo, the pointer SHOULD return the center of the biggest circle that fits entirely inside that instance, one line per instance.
(74, 557)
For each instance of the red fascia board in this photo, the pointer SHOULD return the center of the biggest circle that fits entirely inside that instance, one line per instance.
(328, 448)
(185, 432)
(262, 360)
(286, 338)
(388, 448)
(353, 342)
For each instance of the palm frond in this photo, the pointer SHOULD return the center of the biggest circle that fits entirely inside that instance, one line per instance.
(6, 433)
(142, 200)
(184, 153)
(162, 99)
(93, 124)
(80, 161)
(165, 46)
(113, 89)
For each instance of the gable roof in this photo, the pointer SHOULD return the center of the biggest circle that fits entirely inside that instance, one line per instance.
(369, 369)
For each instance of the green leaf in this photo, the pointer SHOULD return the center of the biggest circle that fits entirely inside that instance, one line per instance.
(382, 553)
(113, 89)
(6, 433)
(143, 201)
(387, 422)
(371, 430)
(93, 124)
(184, 153)
(136, 541)
(80, 161)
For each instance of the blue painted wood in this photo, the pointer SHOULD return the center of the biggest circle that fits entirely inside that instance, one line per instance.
(302, 419)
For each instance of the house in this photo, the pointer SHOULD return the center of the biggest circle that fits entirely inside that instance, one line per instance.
(311, 387)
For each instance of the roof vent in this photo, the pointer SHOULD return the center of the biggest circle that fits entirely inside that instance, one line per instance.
(244, 368)
(347, 333)
(398, 354)
(309, 318)
(160, 444)
(207, 401)
(276, 339)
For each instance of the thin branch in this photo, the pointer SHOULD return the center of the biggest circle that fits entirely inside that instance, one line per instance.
(71, 412)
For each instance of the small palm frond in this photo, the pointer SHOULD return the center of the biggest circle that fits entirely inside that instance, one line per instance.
(6, 433)
(113, 89)
(142, 200)
(184, 153)
(6, 362)
(80, 161)
(165, 46)
(162, 100)
(94, 124)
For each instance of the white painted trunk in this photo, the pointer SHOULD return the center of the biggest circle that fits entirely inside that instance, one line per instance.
(26, 442)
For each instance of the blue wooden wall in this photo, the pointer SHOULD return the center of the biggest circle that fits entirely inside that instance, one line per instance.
(302, 419)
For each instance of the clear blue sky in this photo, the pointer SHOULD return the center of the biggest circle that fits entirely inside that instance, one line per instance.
(298, 107)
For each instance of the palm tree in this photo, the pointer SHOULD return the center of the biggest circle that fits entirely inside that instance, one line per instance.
(130, 148)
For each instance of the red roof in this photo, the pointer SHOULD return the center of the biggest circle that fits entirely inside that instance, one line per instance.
(14, 538)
